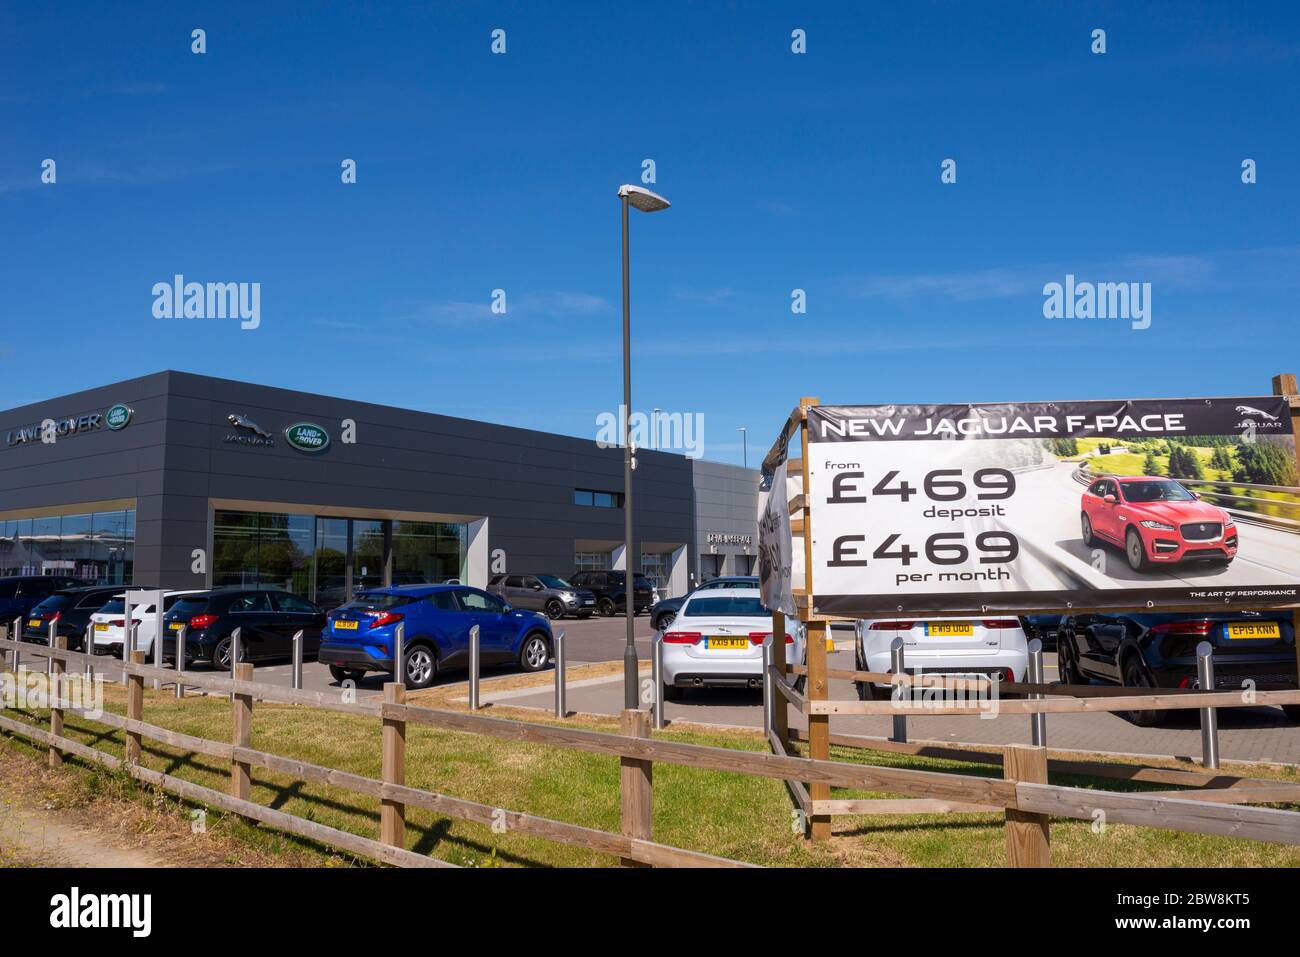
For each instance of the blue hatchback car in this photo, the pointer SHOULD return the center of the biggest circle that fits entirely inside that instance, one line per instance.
(359, 636)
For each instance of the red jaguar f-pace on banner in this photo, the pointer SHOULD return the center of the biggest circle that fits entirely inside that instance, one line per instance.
(1156, 520)
(1052, 505)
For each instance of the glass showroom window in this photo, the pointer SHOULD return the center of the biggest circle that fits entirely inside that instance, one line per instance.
(331, 562)
(657, 567)
(592, 561)
(99, 547)
(427, 552)
(367, 554)
(263, 548)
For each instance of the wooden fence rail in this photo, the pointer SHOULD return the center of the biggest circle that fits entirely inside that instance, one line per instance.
(1022, 793)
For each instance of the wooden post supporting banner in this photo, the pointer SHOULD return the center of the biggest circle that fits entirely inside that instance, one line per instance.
(636, 784)
(392, 814)
(134, 708)
(818, 686)
(57, 668)
(1028, 835)
(780, 706)
(1285, 384)
(242, 712)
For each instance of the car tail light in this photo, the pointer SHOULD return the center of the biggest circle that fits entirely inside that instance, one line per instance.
(1200, 628)
(1010, 675)
(119, 623)
(1186, 682)
(1000, 623)
(682, 637)
(758, 637)
(381, 618)
(202, 621)
(890, 626)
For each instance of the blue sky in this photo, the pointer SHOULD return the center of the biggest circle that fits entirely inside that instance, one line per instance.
(818, 171)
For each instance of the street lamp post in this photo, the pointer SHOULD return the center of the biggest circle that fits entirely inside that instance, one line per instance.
(744, 444)
(647, 202)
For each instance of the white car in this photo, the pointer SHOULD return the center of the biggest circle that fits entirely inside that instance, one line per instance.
(953, 647)
(108, 624)
(716, 640)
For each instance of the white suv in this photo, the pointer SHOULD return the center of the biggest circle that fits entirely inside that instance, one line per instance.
(954, 647)
(716, 640)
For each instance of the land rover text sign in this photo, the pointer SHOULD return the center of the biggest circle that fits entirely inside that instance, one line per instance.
(1052, 506)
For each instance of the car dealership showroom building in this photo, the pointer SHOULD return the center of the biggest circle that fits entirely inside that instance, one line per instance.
(187, 481)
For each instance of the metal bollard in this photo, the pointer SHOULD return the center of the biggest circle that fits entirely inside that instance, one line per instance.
(768, 664)
(657, 676)
(297, 661)
(128, 613)
(473, 668)
(16, 635)
(235, 650)
(561, 688)
(1037, 722)
(399, 652)
(180, 660)
(128, 643)
(897, 667)
(49, 662)
(89, 648)
(1209, 716)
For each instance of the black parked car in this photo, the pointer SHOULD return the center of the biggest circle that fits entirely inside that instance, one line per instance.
(70, 609)
(19, 594)
(1159, 651)
(664, 613)
(267, 619)
(1043, 627)
(610, 589)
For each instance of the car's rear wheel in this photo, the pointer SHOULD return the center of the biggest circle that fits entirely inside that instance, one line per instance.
(664, 621)
(1086, 524)
(1135, 676)
(221, 654)
(1135, 551)
(607, 607)
(1067, 668)
(534, 653)
(420, 667)
(346, 674)
(554, 609)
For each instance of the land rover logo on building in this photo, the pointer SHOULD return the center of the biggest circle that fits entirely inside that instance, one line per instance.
(118, 417)
(307, 437)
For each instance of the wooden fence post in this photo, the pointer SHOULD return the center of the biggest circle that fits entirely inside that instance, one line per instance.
(242, 711)
(57, 668)
(1285, 384)
(636, 784)
(134, 708)
(392, 814)
(1029, 842)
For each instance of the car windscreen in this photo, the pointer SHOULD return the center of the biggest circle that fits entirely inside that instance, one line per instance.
(1155, 492)
(550, 581)
(56, 602)
(188, 607)
(726, 606)
(378, 601)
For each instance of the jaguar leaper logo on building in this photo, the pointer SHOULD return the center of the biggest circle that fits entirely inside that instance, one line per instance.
(118, 416)
(307, 437)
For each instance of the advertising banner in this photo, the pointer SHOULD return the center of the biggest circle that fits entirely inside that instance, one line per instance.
(1048, 506)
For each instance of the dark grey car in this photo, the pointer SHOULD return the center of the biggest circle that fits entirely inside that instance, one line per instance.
(545, 593)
